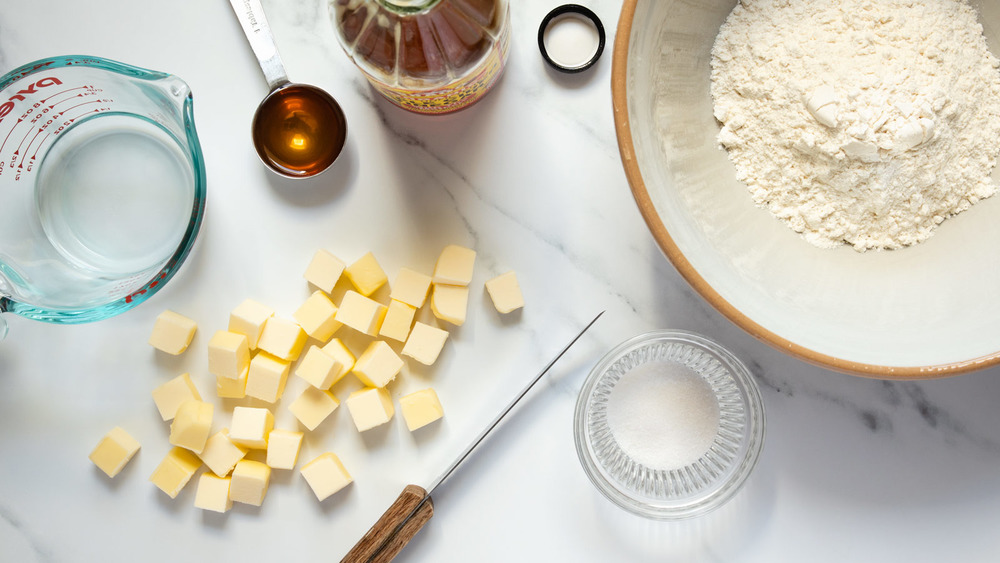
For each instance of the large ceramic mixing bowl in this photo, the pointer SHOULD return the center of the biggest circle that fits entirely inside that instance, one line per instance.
(928, 310)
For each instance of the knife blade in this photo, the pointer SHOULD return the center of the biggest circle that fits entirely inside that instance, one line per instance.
(414, 507)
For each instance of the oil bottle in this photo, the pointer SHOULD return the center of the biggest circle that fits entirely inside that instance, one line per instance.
(426, 56)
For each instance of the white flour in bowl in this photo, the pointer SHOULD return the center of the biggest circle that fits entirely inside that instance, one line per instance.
(860, 121)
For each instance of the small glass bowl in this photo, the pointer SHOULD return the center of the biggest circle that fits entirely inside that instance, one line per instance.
(699, 487)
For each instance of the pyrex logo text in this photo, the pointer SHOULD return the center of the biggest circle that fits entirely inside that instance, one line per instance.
(8, 106)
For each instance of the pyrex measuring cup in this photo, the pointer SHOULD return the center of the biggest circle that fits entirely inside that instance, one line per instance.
(102, 183)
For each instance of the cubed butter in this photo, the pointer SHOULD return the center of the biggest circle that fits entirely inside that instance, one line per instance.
(411, 287)
(377, 365)
(283, 448)
(250, 427)
(425, 343)
(213, 493)
(450, 302)
(361, 313)
(227, 388)
(114, 451)
(370, 407)
(398, 319)
(283, 338)
(326, 475)
(313, 406)
(366, 274)
(317, 316)
(172, 333)
(221, 454)
(505, 292)
(267, 377)
(249, 482)
(248, 319)
(454, 266)
(191, 425)
(171, 394)
(228, 354)
(420, 408)
(338, 351)
(175, 471)
(324, 270)
(319, 368)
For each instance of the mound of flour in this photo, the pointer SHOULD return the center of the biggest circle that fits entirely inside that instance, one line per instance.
(860, 121)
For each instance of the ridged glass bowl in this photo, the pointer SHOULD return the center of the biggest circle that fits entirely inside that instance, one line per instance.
(700, 486)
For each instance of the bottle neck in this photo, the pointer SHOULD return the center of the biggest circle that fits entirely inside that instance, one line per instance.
(407, 6)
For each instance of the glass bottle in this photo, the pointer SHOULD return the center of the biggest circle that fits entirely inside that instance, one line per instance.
(426, 56)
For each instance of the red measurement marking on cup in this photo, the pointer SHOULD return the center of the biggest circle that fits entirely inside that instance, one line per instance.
(2, 145)
(82, 104)
(131, 297)
(27, 149)
(69, 99)
(31, 163)
(64, 91)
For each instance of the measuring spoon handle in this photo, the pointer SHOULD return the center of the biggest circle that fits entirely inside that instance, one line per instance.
(397, 526)
(251, 16)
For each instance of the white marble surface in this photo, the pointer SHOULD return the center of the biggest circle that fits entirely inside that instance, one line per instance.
(852, 469)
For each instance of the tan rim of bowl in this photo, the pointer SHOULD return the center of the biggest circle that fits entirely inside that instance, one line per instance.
(619, 69)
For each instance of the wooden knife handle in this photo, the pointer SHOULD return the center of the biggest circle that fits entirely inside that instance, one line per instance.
(397, 526)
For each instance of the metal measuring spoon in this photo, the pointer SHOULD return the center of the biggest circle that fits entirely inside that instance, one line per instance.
(298, 129)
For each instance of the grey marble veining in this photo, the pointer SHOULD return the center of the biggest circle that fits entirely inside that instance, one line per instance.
(852, 469)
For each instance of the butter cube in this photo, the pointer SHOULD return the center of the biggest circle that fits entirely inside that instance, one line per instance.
(454, 266)
(319, 368)
(172, 333)
(221, 454)
(411, 287)
(249, 482)
(370, 407)
(317, 316)
(267, 377)
(250, 427)
(377, 365)
(398, 318)
(326, 475)
(227, 388)
(213, 493)
(361, 313)
(366, 274)
(313, 406)
(324, 270)
(283, 448)
(450, 302)
(228, 354)
(171, 394)
(191, 425)
(425, 343)
(505, 292)
(175, 471)
(338, 351)
(282, 338)
(420, 408)
(248, 319)
(114, 451)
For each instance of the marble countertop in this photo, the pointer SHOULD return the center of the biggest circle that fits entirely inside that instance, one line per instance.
(852, 469)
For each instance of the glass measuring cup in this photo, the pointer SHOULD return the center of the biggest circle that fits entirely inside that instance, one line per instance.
(103, 184)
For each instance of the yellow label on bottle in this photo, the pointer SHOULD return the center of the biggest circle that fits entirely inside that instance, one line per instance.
(456, 95)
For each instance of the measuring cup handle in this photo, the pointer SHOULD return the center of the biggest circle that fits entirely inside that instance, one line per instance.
(258, 33)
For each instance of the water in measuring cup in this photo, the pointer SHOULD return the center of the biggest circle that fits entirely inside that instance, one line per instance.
(114, 195)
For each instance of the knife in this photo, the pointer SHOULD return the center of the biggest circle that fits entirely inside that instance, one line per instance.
(414, 507)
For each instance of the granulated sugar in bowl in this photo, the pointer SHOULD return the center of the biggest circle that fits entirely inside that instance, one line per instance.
(669, 425)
